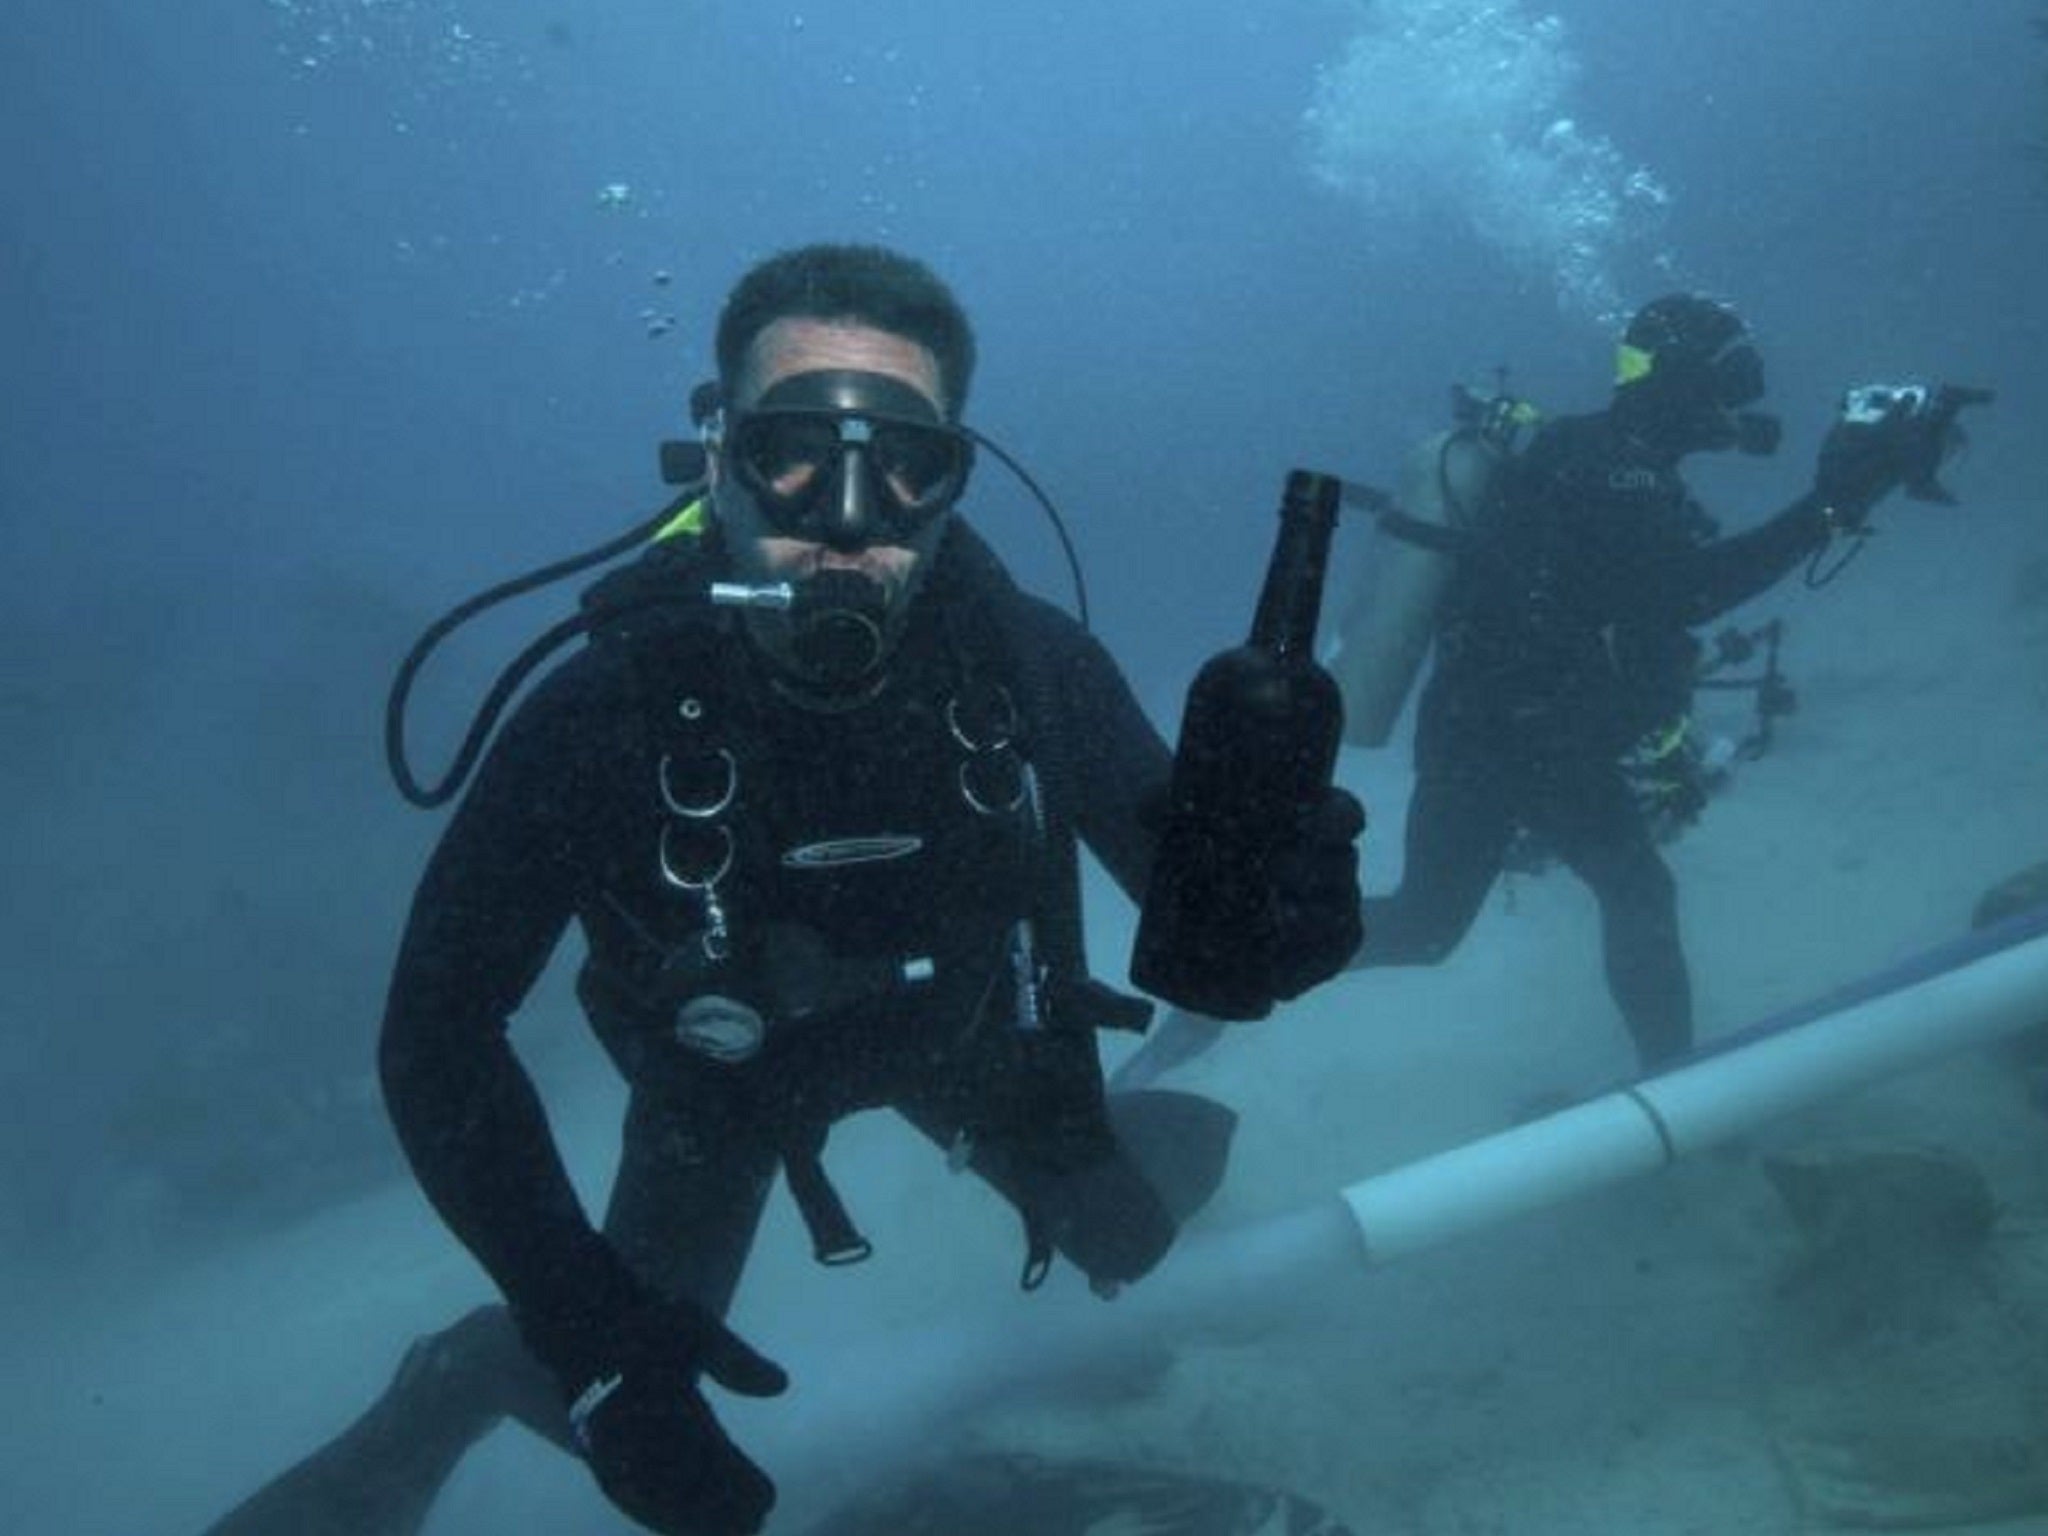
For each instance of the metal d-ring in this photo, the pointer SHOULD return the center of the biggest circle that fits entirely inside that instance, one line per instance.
(988, 807)
(989, 756)
(701, 809)
(683, 879)
(1005, 728)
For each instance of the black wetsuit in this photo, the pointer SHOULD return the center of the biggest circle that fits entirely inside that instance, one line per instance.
(1562, 639)
(874, 866)
(873, 873)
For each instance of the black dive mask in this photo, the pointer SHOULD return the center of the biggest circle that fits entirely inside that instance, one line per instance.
(1698, 412)
(838, 628)
(1736, 376)
(848, 458)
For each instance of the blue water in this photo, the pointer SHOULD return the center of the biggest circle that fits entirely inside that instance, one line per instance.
(322, 313)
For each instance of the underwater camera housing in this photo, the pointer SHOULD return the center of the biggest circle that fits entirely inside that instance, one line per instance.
(1931, 433)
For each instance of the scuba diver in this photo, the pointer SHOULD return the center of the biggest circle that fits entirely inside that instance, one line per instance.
(1564, 639)
(1558, 584)
(814, 792)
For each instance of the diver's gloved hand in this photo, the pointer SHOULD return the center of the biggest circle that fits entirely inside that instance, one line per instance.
(1866, 455)
(628, 1368)
(1313, 880)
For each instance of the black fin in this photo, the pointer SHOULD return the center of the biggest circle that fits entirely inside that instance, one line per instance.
(1180, 1141)
(381, 1475)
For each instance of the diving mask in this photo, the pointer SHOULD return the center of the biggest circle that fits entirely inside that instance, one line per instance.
(1730, 377)
(848, 458)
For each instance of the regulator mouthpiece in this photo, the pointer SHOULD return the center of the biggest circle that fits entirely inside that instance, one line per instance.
(837, 628)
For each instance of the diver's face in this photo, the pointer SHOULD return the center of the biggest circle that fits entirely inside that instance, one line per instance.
(760, 553)
(1694, 404)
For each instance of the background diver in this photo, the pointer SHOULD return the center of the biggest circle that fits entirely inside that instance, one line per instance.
(1558, 588)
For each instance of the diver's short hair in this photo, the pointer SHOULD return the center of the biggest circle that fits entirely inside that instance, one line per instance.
(867, 284)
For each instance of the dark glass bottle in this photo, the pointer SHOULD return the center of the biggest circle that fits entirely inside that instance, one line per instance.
(1258, 747)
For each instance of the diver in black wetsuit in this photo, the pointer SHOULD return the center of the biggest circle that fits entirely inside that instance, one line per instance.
(1564, 640)
(821, 840)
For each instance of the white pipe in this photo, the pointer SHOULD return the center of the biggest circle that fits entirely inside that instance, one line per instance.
(888, 1398)
(1649, 1124)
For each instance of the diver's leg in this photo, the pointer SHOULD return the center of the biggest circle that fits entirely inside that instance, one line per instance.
(1598, 829)
(1172, 1042)
(1459, 827)
(692, 1183)
(689, 1193)
(681, 1216)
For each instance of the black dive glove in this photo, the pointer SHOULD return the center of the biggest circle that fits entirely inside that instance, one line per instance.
(628, 1368)
(1313, 881)
(1862, 461)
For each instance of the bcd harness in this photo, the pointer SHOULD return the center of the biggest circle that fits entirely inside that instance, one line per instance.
(746, 925)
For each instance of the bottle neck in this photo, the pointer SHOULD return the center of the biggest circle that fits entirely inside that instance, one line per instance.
(1292, 599)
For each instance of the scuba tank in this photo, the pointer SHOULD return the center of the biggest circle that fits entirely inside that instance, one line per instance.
(1258, 747)
(1390, 615)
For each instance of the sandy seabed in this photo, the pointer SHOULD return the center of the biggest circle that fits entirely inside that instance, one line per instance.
(1633, 1362)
